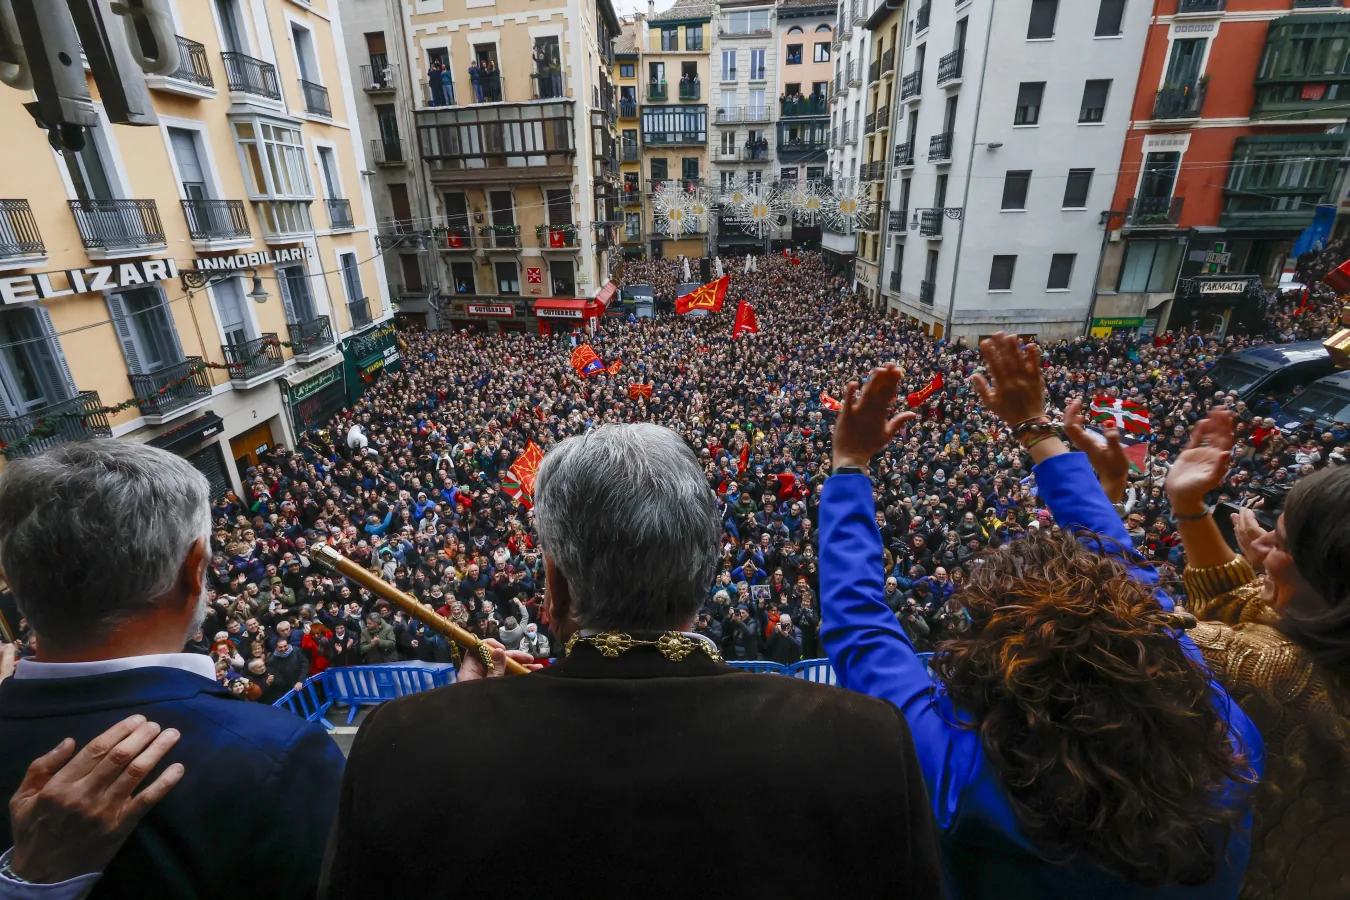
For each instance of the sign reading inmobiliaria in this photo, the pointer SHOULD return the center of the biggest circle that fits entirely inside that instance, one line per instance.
(91, 279)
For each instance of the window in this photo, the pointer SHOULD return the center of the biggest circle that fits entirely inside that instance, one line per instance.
(727, 104)
(508, 278)
(328, 166)
(464, 278)
(1061, 271)
(796, 29)
(675, 124)
(754, 179)
(273, 157)
(351, 278)
(190, 169)
(728, 65)
(822, 52)
(1183, 66)
(693, 37)
(1076, 188)
(823, 29)
(304, 54)
(787, 173)
(229, 297)
(231, 28)
(145, 328)
(1029, 103)
(728, 179)
(1150, 266)
(1042, 23)
(563, 277)
(33, 371)
(1282, 174)
(1001, 273)
(1160, 174)
(1094, 100)
(1015, 185)
(657, 71)
(559, 207)
(729, 143)
(794, 54)
(757, 64)
(689, 168)
(659, 170)
(670, 38)
(815, 173)
(1110, 16)
(87, 170)
(632, 223)
(293, 284)
(627, 70)
(748, 22)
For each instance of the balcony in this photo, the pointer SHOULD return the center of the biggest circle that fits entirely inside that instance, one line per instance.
(247, 75)
(904, 155)
(628, 109)
(1200, 7)
(658, 91)
(691, 90)
(548, 85)
(883, 118)
(870, 123)
(674, 138)
(888, 62)
(316, 99)
(1317, 4)
(893, 283)
(118, 226)
(940, 147)
(848, 133)
(310, 338)
(192, 78)
(359, 312)
(950, 67)
(560, 237)
(869, 221)
(340, 215)
(874, 71)
(284, 221)
(387, 152)
(805, 106)
(729, 115)
(379, 79)
(927, 290)
(630, 152)
(1153, 212)
(75, 419)
(20, 238)
(922, 17)
(911, 84)
(216, 220)
(1183, 102)
(854, 74)
(500, 237)
(930, 222)
(630, 193)
(173, 389)
(895, 222)
(250, 361)
(454, 237)
(872, 171)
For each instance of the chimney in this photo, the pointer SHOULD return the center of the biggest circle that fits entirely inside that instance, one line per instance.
(651, 10)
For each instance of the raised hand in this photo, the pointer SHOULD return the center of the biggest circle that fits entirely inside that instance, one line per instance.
(864, 426)
(1107, 457)
(1254, 540)
(1018, 390)
(1201, 467)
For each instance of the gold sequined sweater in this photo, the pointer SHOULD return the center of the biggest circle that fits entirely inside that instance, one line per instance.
(1301, 819)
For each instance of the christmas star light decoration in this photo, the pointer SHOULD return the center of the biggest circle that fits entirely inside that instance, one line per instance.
(764, 204)
(806, 201)
(670, 209)
(735, 196)
(698, 205)
(844, 205)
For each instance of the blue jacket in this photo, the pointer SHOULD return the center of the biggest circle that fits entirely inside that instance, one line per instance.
(984, 851)
(205, 834)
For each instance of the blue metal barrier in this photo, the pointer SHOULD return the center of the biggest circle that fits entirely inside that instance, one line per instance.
(818, 670)
(758, 666)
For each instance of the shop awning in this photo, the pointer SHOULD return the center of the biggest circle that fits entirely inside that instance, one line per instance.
(189, 434)
(606, 295)
(560, 308)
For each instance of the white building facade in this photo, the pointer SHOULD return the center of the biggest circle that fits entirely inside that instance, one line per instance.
(848, 100)
(1003, 161)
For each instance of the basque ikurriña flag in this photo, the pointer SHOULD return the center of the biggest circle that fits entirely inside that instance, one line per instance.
(1124, 415)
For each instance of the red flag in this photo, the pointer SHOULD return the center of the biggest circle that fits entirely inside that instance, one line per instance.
(744, 462)
(556, 238)
(614, 367)
(454, 241)
(1338, 279)
(585, 361)
(920, 396)
(526, 467)
(1137, 454)
(830, 403)
(787, 484)
(710, 296)
(745, 320)
(639, 390)
(1121, 414)
(539, 412)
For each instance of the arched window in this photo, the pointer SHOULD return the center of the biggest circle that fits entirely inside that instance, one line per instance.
(820, 28)
(795, 29)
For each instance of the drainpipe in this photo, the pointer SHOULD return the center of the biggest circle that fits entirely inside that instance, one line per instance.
(970, 165)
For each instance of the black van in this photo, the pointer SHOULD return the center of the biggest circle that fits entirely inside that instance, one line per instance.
(1326, 401)
(1271, 369)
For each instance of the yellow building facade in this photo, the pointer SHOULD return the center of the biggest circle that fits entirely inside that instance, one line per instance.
(205, 273)
(627, 66)
(885, 26)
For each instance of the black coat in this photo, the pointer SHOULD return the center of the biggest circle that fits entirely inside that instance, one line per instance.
(627, 738)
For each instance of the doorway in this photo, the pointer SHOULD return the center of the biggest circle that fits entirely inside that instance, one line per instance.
(247, 447)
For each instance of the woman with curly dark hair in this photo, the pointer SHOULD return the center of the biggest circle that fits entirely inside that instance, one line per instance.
(1072, 742)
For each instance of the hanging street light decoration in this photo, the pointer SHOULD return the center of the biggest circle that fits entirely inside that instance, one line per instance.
(845, 205)
(806, 201)
(764, 204)
(735, 196)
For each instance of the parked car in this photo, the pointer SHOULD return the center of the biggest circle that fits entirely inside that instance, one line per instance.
(1326, 401)
(1271, 369)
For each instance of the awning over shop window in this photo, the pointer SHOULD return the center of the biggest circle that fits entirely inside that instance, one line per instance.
(560, 308)
(189, 434)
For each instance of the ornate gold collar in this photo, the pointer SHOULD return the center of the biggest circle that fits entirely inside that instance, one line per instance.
(673, 645)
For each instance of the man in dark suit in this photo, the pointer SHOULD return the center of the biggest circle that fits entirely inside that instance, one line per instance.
(665, 766)
(104, 544)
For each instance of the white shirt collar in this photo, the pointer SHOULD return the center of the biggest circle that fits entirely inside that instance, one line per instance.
(195, 663)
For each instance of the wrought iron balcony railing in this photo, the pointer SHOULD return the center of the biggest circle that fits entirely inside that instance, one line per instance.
(922, 18)
(1184, 102)
(172, 387)
(628, 109)
(118, 224)
(870, 123)
(216, 220)
(562, 237)
(927, 291)
(873, 71)
(911, 84)
(75, 419)
(896, 221)
(630, 152)
(1157, 212)
(455, 237)
(930, 222)
(340, 214)
(379, 77)
(894, 282)
(253, 358)
(316, 99)
(904, 155)
(883, 118)
(193, 65)
(855, 73)
(940, 147)
(500, 237)
(251, 76)
(804, 106)
(888, 62)
(310, 336)
(548, 85)
(359, 311)
(658, 91)
(950, 66)
(1201, 6)
(19, 234)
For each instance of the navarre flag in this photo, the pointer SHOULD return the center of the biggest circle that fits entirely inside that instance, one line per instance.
(830, 403)
(746, 323)
(585, 361)
(919, 397)
(526, 467)
(744, 462)
(1125, 415)
(710, 297)
(614, 367)
(639, 390)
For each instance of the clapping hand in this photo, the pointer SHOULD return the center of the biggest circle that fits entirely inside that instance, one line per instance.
(864, 425)
(1108, 459)
(1254, 540)
(1201, 467)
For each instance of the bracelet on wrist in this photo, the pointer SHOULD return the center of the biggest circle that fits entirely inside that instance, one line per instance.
(1029, 434)
(1202, 514)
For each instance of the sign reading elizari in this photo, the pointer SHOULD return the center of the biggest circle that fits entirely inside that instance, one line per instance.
(47, 285)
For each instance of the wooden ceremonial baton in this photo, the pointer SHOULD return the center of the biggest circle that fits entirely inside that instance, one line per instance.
(329, 557)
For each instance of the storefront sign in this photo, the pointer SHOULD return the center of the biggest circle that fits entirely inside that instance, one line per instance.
(1117, 323)
(1218, 259)
(558, 313)
(311, 387)
(1221, 287)
(490, 309)
(249, 260)
(366, 354)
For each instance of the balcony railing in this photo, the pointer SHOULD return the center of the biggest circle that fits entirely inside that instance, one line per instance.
(118, 224)
(950, 66)
(628, 109)
(691, 90)
(216, 220)
(896, 221)
(379, 79)
(193, 66)
(75, 419)
(921, 19)
(387, 152)
(500, 237)
(940, 147)
(455, 237)
(1201, 6)
(630, 152)
(548, 85)
(868, 221)
(883, 118)
(930, 222)
(251, 76)
(316, 99)
(19, 234)
(870, 123)
(1183, 102)
(1156, 212)
(630, 194)
(310, 336)
(911, 84)
(253, 358)
(172, 388)
(872, 171)
(854, 73)
(888, 62)
(340, 214)
(1317, 4)
(927, 291)
(359, 312)
(904, 154)
(893, 283)
(562, 237)
(873, 71)
(804, 106)
(658, 91)
(729, 115)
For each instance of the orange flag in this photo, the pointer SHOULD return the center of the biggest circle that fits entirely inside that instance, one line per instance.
(639, 390)
(746, 323)
(830, 403)
(585, 361)
(708, 297)
(920, 396)
(614, 367)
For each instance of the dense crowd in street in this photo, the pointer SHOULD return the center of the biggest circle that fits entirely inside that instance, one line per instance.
(409, 482)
